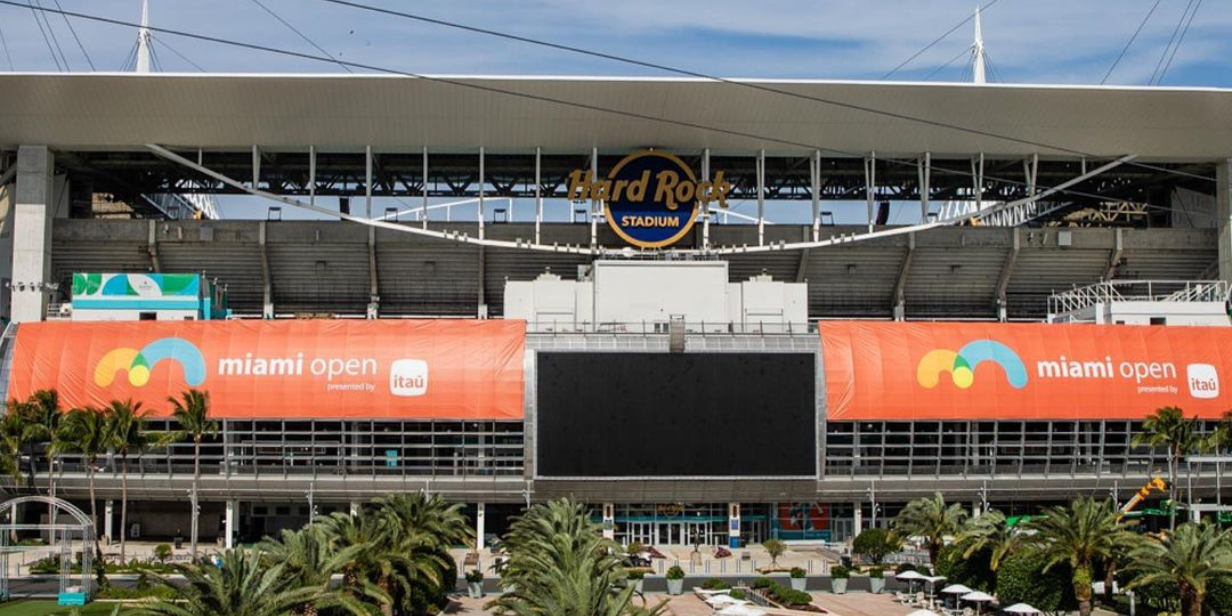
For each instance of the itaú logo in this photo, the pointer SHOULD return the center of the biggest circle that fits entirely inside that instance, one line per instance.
(961, 365)
(140, 363)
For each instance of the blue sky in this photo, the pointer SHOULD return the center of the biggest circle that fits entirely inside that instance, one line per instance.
(1029, 41)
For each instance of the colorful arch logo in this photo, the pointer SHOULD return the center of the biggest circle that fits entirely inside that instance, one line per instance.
(961, 365)
(139, 364)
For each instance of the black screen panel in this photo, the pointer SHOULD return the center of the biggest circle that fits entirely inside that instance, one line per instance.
(681, 414)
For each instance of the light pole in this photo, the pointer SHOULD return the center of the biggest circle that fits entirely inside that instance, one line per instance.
(872, 498)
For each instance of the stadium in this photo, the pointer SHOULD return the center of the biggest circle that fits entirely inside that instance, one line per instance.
(716, 311)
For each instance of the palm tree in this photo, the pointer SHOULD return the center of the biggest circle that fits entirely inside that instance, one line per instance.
(560, 564)
(931, 519)
(192, 412)
(380, 555)
(43, 423)
(1168, 428)
(240, 584)
(87, 431)
(1086, 533)
(12, 442)
(990, 532)
(308, 561)
(127, 431)
(1191, 557)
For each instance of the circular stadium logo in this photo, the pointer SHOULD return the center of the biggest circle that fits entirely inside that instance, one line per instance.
(650, 198)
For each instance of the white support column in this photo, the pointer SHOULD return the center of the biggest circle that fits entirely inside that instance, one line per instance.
(312, 175)
(108, 519)
(706, 204)
(267, 291)
(761, 197)
(231, 523)
(815, 182)
(926, 180)
(733, 525)
(609, 521)
(480, 522)
(977, 181)
(858, 525)
(596, 205)
(368, 182)
(256, 167)
(35, 199)
(482, 179)
(538, 193)
(1223, 208)
(424, 211)
(870, 185)
(354, 508)
(1032, 171)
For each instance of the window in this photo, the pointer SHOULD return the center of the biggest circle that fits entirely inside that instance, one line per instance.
(147, 316)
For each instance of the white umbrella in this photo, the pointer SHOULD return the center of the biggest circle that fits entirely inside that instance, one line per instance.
(1021, 608)
(909, 575)
(956, 589)
(740, 610)
(934, 579)
(977, 596)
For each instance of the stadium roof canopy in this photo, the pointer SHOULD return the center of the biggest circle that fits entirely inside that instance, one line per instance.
(120, 111)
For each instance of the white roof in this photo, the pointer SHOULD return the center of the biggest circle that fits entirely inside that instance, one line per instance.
(461, 113)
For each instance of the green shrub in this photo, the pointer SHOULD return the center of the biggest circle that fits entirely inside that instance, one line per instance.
(904, 567)
(974, 571)
(1163, 596)
(762, 582)
(715, 584)
(798, 573)
(118, 593)
(875, 544)
(876, 573)
(474, 576)
(675, 573)
(634, 548)
(1021, 579)
(840, 572)
(736, 593)
(162, 552)
(635, 574)
(787, 596)
(775, 549)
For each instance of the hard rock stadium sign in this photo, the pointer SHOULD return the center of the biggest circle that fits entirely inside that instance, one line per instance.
(650, 198)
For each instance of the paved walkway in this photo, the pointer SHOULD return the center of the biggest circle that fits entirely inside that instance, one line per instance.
(853, 604)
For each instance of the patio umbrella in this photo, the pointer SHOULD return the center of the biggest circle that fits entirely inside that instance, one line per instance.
(978, 598)
(1021, 608)
(909, 575)
(956, 589)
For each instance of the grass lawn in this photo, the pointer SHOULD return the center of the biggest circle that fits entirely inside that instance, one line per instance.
(48, 608)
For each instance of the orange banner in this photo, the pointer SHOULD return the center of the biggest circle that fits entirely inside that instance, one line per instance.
(321, 369)
(889, 371)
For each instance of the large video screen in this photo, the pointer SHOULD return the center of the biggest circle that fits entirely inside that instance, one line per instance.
(676, 415)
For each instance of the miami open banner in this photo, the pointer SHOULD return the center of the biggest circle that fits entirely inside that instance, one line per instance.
(446, 369)
(990, 371)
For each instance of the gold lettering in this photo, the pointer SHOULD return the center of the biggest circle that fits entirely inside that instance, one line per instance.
(666, 192)
(618, 188)
(637, 188)
(721, 188)
(684, 191)
(579, 185)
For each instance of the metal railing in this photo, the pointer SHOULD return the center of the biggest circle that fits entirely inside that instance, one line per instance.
(641, 328)
(1108, 291)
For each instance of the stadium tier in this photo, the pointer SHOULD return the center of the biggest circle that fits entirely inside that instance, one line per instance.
(723, 311)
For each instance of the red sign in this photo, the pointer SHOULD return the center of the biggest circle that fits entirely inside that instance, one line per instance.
(463, 369)
(884, 371)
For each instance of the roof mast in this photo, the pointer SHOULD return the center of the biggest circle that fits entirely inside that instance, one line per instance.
(143, 39)
(977, 50)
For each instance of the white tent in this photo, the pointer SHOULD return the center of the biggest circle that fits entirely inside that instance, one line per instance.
(1021, 608)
